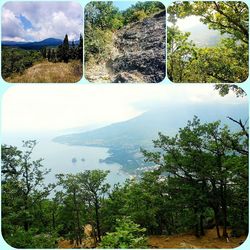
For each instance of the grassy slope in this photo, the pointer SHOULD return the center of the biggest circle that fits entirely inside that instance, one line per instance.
(48, 72)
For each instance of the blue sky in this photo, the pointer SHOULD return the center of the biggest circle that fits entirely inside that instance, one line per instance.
(35, 21)
(123, 5)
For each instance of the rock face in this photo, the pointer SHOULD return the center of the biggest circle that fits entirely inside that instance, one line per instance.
(142, 51)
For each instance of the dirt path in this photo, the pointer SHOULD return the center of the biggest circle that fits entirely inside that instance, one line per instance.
(210, 240)
(181, 241)
(102, 72)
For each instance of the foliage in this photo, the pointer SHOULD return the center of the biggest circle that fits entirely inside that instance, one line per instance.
(23, 190)
(141, 10)
(227, 62)
(16, 60)
(30, 239)
(102, 19)
(203, 161)
(127, 234)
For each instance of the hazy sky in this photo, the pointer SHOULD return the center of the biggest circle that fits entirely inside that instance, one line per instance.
(200, 32)
(35, 21)
(55, 108)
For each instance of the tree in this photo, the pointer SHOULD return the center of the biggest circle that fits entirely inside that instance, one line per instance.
(22, 188)
(49, 55)
(201, 159)
(71, 195)
(43, 52)
(227, 17)
(227, 62)
(127, 234)
(94, 188)
(80, 49)
(65, 49)
(53, 56)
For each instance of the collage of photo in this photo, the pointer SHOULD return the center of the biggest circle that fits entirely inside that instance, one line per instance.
(124, 124)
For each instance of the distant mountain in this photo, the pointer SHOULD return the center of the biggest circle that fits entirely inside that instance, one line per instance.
(142, 129)
(33, 45)
(49, 42)
(124, 139)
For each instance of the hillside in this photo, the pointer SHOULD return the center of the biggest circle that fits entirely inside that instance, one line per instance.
(137, 53)
(46, 72)
(124, 139)
(174, 241)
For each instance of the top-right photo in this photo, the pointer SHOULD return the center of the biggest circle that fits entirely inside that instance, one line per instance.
(207, 42)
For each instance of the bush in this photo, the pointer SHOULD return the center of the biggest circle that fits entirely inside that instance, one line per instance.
(31, 239)
(127, 235)
(97, 43)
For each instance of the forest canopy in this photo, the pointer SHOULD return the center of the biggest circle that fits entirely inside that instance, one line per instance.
(227, 62)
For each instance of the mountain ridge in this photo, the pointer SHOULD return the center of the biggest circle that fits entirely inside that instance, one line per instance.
(36, 44)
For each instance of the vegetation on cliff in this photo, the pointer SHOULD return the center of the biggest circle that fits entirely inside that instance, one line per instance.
(226, 62)
(125, 46)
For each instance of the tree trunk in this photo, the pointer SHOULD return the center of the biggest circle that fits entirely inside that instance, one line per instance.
(78, 238)
(216, 217)
(202, 233)
(97, 220)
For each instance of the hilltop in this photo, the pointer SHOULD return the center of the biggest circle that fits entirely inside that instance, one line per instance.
(47, 72)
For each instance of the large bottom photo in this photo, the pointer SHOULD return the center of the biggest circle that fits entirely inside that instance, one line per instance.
(128, 166)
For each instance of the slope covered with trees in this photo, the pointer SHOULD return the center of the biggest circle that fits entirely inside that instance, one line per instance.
(200, 181)
(227, 62)
(125, 46)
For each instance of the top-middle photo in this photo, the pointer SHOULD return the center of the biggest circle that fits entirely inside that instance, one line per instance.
(125, 42)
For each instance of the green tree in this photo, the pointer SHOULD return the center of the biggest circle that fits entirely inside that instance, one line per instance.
(22, 188)
(127, 234)
(80, 49)
(227, 62)
(93, 188)
(65, 49)
(71, 196)
(201, 159)
(49, 55)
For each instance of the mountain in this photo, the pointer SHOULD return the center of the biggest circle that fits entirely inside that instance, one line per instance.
(33, 45)
(49, 42)
(124, 139)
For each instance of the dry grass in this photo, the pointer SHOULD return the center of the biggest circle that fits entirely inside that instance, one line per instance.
(210, 240)
(48, 72)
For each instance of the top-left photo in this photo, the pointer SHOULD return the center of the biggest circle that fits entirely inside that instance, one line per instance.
(42, 42)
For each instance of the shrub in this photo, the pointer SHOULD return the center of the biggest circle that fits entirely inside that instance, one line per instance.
(127, 234)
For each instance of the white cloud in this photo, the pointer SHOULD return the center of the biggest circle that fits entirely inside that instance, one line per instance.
(48, 19)
(55, 108)
(11, 26)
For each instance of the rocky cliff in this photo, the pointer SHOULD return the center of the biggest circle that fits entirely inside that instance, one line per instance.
(141, 47)
(138, 54)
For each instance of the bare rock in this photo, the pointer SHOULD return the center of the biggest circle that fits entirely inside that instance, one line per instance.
(142, 48)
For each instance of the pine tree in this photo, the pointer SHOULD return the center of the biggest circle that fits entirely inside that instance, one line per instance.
(43, 52)
(72, 51)
(59, 53)
(65, 49)
(53, 56)
(49, 55)
(80, 49)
